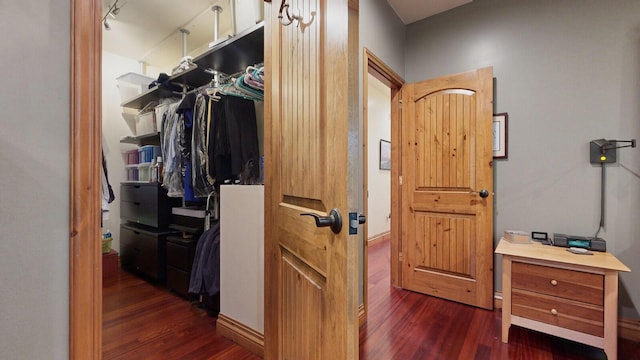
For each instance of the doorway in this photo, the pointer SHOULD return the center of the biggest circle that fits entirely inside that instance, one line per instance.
(381, 83)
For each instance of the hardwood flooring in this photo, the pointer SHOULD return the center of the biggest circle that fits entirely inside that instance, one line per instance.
(144, 321)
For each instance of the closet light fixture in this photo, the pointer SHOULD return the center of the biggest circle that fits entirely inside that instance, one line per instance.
(113, 11)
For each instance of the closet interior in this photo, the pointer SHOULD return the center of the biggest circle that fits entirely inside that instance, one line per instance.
(186, 169)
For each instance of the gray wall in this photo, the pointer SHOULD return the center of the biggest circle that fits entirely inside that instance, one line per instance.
(34, 173)
(382, 32)
(567, 72)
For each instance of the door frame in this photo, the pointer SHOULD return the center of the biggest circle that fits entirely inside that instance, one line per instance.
(375, 66)
(85, 190)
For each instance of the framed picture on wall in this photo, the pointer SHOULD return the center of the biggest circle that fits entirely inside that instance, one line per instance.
(500, 136)
(385, 155)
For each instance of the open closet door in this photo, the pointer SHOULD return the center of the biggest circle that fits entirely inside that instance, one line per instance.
(311, 132)
(447, 187)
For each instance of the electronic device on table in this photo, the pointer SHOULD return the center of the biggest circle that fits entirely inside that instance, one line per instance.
(574, 241)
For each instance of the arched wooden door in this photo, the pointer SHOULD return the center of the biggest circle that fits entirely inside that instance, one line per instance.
(447, 187)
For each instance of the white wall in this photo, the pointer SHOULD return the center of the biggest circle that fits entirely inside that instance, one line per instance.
(567, 72)
(378, 181)
(114, 128)
(34, 173)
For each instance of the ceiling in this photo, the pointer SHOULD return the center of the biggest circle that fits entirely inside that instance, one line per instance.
(413, 10)
(148, 30)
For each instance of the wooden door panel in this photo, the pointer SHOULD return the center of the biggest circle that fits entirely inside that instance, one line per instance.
(443, 150)
(302, 298)
(442, 243)
(302, 142)
(446, 161)
(306, 242)
(310, 272)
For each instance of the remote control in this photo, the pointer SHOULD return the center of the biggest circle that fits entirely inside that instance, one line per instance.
(579, 251)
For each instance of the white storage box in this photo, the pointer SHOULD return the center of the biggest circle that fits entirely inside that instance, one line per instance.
(146, 123)
(144, 172)
(131, 85)
(248, 13)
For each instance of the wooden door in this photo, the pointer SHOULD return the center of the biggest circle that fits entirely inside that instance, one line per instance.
(447, 187)
(311, 132)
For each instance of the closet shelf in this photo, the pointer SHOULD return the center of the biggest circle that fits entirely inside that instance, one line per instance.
(229, 56)
(156, 93)
(142, 140)
(236, 53)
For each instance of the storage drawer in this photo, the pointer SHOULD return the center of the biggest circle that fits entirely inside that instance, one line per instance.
(141, 193)
(178, 280)
(141, 213)
(180, 252)
(144, 251)
(568, 284)
(569, 314)
(146, 203)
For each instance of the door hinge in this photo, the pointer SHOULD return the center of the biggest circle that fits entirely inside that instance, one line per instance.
(400, 179)
(400, 257)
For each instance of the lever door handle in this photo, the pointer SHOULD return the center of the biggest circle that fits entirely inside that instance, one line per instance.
(334, 220)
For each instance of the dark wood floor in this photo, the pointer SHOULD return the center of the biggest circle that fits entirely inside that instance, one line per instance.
(143, 321)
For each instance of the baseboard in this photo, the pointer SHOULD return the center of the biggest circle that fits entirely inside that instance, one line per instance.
(362, 315)
(241, 334)
(379, 238)
(627, 329)
(497, 300)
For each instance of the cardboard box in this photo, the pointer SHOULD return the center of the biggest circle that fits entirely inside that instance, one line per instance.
(517, 237)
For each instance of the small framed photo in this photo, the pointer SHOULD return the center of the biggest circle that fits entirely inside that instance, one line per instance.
(500, 135)
(385, 155)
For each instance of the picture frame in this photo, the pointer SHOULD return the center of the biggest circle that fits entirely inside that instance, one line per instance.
(500, 135)
(385, 155)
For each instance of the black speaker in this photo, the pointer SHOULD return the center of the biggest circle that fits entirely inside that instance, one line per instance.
(590, 243)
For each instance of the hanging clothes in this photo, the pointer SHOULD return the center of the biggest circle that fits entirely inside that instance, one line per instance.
(185, 116)
(202, 184)
(205, 272)
(170, 133)
(234, 148)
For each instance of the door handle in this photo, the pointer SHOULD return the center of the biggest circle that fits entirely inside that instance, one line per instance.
(334, 220)
(483, 193)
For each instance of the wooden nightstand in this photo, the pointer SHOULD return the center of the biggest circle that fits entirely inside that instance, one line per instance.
(551, 290)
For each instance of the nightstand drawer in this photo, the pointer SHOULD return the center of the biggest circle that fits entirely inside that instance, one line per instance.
(564, 313)
(569, 284)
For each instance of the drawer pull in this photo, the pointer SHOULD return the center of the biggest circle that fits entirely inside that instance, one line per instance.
(554, 312)
(138, 204)
(554, 282)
